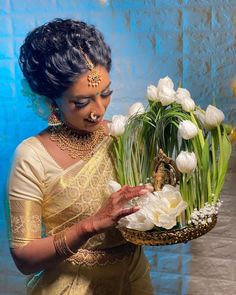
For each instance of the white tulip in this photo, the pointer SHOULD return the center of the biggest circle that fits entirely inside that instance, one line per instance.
(188, 105)
(136, 109)
(164, 206)
(166, 81)
(165, 91)
(183, 97)
(152, 93)
(200, 116)
(186, 162)
(213, 116)
(166, 95)
(187, 129)
(113, 186)
(117, 126)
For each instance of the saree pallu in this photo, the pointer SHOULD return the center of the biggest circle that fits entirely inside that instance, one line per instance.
(106, 263)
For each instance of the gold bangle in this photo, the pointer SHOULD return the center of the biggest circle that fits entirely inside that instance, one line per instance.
(61, 247)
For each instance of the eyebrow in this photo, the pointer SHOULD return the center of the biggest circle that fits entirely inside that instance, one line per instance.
(89, 96)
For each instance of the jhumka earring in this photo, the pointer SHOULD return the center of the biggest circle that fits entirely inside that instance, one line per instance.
(94, 78)
(54, 118)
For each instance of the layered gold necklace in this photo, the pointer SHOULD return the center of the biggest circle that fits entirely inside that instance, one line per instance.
(75, 144)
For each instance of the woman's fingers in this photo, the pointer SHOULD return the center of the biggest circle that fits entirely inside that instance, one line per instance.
(127, 193)
(127, 211)
(114, 208)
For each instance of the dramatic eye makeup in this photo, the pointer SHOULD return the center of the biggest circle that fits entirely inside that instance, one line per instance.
(83, 100)
(106, 93)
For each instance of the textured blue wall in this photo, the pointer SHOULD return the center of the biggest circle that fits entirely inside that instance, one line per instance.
(193, 42)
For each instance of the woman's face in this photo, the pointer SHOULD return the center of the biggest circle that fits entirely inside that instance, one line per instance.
(78, 101)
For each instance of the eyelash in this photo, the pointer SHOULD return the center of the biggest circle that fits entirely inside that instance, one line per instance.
(80, 105)
(106, 94)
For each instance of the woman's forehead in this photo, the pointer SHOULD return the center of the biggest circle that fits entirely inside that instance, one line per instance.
(82, 87)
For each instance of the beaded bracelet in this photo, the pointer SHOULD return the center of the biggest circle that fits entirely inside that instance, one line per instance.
(61, 247)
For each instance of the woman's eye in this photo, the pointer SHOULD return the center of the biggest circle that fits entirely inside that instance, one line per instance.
(107, 93)
(81, 103)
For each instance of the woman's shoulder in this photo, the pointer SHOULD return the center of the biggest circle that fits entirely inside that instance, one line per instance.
(28, 150)
(30, 143)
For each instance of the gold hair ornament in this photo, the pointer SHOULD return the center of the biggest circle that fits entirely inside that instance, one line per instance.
(94, 78)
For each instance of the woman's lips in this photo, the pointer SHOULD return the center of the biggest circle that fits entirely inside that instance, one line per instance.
(92, 122)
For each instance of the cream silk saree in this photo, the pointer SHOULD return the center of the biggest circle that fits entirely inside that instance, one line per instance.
(45, 199)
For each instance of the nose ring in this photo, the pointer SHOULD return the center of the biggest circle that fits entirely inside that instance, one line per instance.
(94, 117)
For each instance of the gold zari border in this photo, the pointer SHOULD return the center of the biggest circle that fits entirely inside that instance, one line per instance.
(102, 257)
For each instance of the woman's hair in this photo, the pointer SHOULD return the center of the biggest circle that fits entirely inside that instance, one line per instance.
(51, 59)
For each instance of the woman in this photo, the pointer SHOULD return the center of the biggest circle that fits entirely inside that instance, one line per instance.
(63, 218)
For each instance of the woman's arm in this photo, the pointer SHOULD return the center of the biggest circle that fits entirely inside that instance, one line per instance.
(41, 254)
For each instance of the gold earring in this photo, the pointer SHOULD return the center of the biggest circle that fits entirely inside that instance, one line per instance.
(54, 118)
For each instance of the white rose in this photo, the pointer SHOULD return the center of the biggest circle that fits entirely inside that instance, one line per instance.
(187, 129)
(117, 126)
(186, 162)
(137, 221)
(152, 93)
(165, 91)
(136, 109)
(164, 206)
(113, 186)
(213, 116)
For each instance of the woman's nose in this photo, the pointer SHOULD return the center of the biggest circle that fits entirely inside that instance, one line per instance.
(99, 108)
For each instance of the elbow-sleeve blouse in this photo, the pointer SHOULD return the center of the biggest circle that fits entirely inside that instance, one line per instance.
(26, 184)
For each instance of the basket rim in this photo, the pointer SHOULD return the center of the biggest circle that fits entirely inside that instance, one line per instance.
(167, 237)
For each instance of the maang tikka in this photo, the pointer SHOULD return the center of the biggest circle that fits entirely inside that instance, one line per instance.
(94, 78)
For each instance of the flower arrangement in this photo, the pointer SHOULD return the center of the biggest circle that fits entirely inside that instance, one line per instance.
(181, 149)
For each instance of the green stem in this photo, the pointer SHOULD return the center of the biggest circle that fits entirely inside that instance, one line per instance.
(209, 185)
(213, 162)
(200, 134)
(220, 162)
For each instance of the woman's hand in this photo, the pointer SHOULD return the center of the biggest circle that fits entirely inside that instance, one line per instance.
(114, 207)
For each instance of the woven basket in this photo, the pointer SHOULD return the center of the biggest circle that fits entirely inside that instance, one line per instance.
(168, 237)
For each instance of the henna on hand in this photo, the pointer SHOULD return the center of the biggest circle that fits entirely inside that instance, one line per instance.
(113, 209)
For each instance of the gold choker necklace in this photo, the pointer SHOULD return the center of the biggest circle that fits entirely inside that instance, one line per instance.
(77, 145)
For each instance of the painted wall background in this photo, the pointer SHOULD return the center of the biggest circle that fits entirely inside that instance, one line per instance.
(193, 42)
